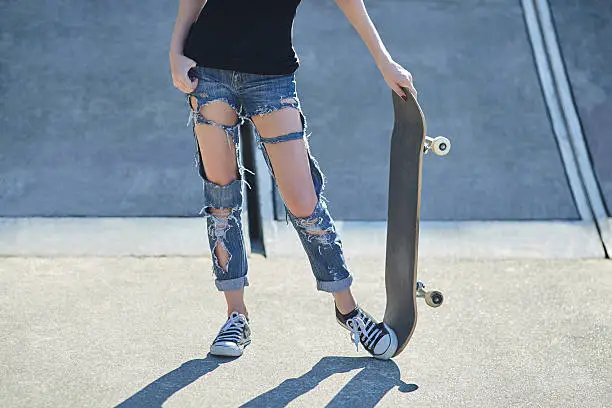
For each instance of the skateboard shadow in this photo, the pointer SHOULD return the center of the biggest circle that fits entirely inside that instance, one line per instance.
(156, 393)
(365, 389)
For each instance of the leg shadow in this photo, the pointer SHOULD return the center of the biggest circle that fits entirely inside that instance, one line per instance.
(365, 389)
(156, 393)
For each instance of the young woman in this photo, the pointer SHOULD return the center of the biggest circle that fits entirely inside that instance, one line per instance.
(235, 61)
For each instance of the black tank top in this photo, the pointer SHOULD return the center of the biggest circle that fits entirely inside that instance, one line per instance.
(251, 36)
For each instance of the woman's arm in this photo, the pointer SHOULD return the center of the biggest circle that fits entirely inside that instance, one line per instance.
(393, 73)
(187, 14)
(179, 64)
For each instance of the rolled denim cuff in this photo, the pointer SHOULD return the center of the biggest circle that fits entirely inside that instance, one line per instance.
(231, 284)
(335, 286)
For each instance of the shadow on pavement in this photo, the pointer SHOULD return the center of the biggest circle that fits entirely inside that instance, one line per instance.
(156, 393)
(365, 389)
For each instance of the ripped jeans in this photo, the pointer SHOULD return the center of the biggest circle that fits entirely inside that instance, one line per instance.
(250, 95)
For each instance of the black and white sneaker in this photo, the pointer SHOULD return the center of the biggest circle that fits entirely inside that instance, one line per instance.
(233, 337)
(377, 338)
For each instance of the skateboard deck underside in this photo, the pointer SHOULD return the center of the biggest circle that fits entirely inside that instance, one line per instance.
(405, 166)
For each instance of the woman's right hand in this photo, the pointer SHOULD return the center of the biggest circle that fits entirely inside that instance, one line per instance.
(180, 66)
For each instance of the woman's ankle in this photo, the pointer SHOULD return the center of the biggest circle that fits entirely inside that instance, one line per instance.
(235, 302)
(238, 309)
(345, 302)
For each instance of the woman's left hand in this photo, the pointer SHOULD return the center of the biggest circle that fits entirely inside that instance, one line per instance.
(397, 77)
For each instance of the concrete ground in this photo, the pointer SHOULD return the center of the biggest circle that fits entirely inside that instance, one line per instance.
(134, 332)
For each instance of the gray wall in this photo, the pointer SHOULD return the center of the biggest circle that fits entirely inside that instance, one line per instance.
(584, 29)
(91, 125)
(473, 65)
(89, 121)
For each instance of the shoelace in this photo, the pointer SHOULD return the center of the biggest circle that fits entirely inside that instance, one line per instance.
(357, 327)
(232, 329)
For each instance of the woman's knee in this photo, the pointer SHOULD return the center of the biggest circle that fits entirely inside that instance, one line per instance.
(283, 142)
(302, 204)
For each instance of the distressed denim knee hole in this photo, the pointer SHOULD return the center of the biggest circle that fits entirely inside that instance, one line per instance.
(217, 231)
(316, 227)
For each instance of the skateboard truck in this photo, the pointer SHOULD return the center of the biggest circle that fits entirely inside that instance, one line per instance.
(439, 145)
(432, 298)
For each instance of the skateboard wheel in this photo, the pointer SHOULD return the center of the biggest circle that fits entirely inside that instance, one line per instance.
(434, 298)
(441, 146)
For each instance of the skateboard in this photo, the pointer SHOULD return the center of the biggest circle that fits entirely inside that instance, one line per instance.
(408, 145)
